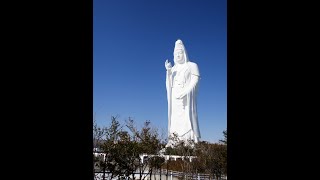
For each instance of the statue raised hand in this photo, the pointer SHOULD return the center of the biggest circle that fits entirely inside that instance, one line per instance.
(167, 65)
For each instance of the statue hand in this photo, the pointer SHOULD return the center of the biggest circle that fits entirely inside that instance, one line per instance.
(167, 65)
(180, 96)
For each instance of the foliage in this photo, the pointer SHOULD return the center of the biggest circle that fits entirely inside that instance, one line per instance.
(210, 158)
(213, 158)
(123, 146)
(123, 149)
(224, 141)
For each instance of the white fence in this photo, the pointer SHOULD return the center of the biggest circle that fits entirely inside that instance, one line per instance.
(172, 175)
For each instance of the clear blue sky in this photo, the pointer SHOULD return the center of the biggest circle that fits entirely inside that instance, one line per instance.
(131, 41)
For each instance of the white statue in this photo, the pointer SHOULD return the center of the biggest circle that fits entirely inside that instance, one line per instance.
(182, 85)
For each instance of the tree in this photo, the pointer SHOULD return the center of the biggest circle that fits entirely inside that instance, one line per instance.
(119, 151)
(148, 142)
(98, 134)
(217, 160)
(183, 149)
(212, 158)
(109, 147)
(208, 157)
(225, 137)
(123, 148)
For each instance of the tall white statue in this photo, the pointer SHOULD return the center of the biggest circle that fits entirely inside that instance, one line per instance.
(182, 85)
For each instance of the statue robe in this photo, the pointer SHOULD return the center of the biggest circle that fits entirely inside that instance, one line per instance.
(182, 113)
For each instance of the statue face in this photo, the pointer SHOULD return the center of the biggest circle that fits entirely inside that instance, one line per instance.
(178, 56)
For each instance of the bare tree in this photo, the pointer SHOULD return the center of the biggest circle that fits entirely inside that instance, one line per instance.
(224, 141)
(98, 135)
(122, 149)
(212, 158)
(148, 143)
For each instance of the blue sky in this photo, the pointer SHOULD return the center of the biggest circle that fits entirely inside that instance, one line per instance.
(131, 41)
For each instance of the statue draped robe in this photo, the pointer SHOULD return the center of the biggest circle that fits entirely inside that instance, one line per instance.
(182, 113)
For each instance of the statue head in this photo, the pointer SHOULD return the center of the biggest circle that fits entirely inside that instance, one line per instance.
(180, 54)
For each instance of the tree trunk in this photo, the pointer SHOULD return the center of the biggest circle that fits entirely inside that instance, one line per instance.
(104, 168)
(133, 176)
(167, 173)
